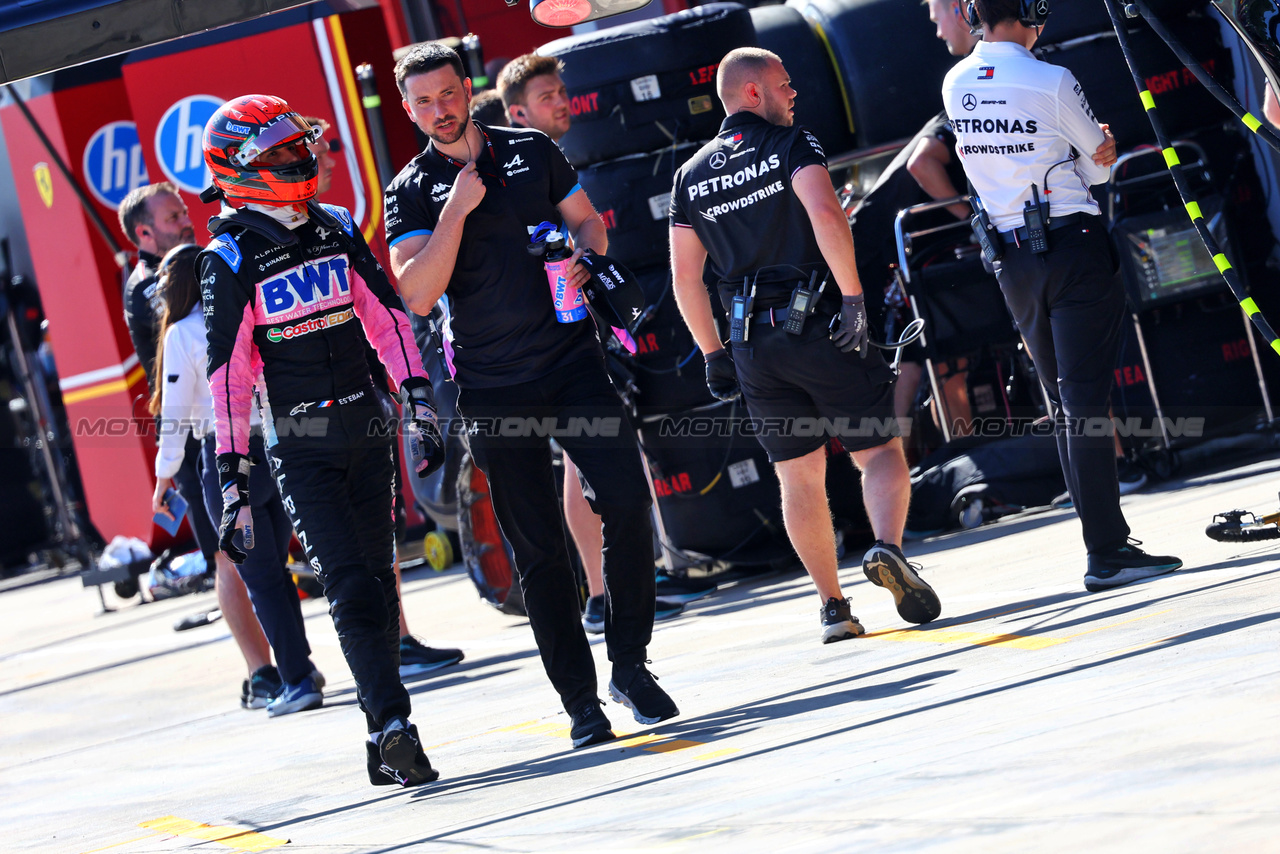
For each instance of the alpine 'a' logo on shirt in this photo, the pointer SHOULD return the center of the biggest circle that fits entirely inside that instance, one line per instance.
(987, 72)
(309, 284)
(513, 162)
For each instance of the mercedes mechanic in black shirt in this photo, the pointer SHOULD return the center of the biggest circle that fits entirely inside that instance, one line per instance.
(459, 219)
(756, 205)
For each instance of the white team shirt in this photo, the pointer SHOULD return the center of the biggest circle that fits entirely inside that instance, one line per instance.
(1014, 117)
(186, 404)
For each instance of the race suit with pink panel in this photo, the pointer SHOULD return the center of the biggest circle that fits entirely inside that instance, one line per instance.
(284, 310)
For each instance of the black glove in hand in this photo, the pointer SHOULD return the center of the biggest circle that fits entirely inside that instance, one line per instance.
(426, 445)
(852, 332)
(722, 378)
(233, 478)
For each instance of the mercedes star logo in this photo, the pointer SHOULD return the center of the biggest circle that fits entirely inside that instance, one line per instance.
(718, 160)
(969, 102)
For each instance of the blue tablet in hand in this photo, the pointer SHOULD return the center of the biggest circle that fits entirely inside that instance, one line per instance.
(177, 506)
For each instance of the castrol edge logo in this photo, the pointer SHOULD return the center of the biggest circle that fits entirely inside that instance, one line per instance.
(276, 334)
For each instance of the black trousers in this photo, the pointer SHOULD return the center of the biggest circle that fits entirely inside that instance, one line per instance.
(335, 481)
(1069, 307)
(508, 434)
(265, 571)
(190, 486)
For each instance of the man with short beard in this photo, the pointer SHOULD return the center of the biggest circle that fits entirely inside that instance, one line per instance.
(756, 206)
(155, 219)
(459, 219)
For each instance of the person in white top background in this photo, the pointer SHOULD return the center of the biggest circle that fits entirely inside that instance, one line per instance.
(1023, 132)
(185, 405)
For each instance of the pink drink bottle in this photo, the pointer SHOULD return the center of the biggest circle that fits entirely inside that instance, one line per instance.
(570, 306)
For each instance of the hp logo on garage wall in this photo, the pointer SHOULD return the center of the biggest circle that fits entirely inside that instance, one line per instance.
(180, 141)
(113, 163)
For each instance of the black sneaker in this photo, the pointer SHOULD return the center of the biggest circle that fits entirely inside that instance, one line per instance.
(665, 609)
(260, 688)
(416, 657)
(398, 756)
(636, 688)
(886, 566)
(1126, 565)
(837, 622)
(590, 726)
(593, 617)
(683, 589)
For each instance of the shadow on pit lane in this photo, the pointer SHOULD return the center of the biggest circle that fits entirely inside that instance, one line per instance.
(563, 762)
(445, 677)
(1051, 615)
(332, 701)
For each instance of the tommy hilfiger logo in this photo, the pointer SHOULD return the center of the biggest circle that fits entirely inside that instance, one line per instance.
(987, 72)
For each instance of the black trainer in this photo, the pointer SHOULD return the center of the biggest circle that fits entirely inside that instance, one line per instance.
(636, 688)
(590, 726)
(838, 622)
(1126, 565)
(398, 757)
(886, 566)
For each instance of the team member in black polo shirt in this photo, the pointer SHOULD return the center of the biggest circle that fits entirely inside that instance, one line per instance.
(458, 222)
(756, 203)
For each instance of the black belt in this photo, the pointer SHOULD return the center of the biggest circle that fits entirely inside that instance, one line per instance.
(1019, 234)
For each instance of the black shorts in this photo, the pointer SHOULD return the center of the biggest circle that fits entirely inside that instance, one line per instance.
(802, 391)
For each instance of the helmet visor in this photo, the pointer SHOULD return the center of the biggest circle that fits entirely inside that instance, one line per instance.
(287, 128)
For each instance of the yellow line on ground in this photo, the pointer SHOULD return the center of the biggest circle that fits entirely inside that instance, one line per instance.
(969, 638)
(118, 844)
(232, 837)
(674, 744)
(515, 727)
(1002, 640)
(638, 740)
(1121, 623)
(716, 754)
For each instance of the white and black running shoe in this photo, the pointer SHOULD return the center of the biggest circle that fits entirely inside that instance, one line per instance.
(886, 566)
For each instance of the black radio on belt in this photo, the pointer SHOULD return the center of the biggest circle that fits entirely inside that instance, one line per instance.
(984, 231)
(1035, 216)
(804, 299)
(740, 315)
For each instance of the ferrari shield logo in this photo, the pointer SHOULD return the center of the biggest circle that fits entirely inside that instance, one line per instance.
(44, 183)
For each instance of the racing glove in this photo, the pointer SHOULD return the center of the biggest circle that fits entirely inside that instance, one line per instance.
(722, 378)
(852, 332)
(426, 445)
(233, 477)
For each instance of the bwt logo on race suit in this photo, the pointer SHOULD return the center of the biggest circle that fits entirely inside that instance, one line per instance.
(304, 288)
(113, 164)
(180, 141)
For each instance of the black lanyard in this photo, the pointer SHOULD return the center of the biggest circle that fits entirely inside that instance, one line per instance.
(461, 165)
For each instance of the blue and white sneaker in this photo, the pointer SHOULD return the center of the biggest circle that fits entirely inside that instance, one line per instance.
(301, 697)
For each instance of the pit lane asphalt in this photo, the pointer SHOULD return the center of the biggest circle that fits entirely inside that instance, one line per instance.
(1031, 716)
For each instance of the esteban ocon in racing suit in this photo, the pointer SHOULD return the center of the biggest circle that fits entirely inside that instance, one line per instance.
(284, 282)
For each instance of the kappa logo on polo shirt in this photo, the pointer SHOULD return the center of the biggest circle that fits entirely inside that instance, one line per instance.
(439, 192)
